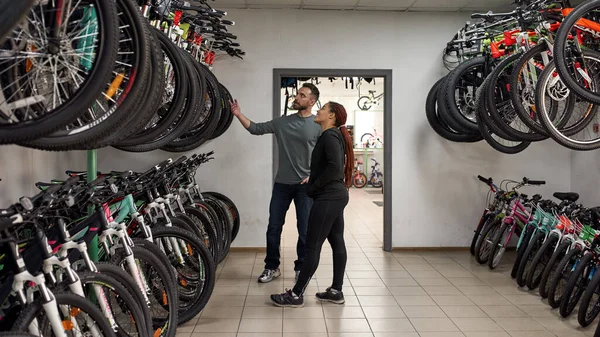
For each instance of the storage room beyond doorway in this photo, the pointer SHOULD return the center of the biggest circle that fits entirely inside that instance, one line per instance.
(364, 99)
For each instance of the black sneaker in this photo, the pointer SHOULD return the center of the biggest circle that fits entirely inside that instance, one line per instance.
(331, 295)
(288, 300)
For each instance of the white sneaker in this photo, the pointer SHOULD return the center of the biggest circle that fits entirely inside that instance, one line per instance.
(268, 275)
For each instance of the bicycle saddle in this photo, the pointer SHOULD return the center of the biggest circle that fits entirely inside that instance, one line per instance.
(569, 196)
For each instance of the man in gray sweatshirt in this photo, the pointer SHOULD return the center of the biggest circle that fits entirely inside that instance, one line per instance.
(296, 136)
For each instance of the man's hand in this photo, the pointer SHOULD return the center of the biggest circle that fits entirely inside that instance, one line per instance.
(304, 181)
(235, 108)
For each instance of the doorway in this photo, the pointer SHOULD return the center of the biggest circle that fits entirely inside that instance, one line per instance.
(366, 95)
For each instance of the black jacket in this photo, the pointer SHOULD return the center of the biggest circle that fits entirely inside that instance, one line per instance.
(326, 180)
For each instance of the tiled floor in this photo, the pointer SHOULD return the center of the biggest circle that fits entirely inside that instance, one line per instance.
(401, 294)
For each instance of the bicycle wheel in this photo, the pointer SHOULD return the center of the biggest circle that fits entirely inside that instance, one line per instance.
(540, 262)
(119, 98)
(499, 243)
(483, 222)
(483, 247)
(436, 122)
(162, 291)
(578, 134)
(500, 104)
(226, 115)
(533, 248)
(233, 211)
(152, 96)
(459, 94)
(209, 233)
(360, 180)
(35, 101)
(552, 267)
(589, 307)
(209, 114)
(562, 275)
(221, 210)
(176, 91)
(521, 247)
(364, 103)
(132, 318)
(71, 308)
(196, 273)
(492, 134)
(577, 284)
(571, 66)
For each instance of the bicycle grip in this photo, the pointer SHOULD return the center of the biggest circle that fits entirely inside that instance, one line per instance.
(537, 182)
(487, 181)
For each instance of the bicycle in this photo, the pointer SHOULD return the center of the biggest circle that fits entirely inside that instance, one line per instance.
(365, 103)
(359, 179)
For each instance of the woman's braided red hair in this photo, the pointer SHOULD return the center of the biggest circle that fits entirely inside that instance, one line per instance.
(340, 121)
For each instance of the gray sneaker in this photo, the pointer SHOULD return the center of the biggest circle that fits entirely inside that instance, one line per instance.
(268, 275)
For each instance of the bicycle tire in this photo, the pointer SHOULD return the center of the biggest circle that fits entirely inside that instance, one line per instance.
(551, 268)
(207, 260)
(517, 96)
(499, 77)
(84, 137)
(497, 253)
(557, 135)
(361, 184)
(485, 125)
(585, 316)
(487, 232)
(226, 226)
(180, 69)
(186, 118)
(555, 299)
(200, 220)
(226, 115)
(15, 334)
(480, 226)
(152, 96)
(128, 282)
(13, 12)
(572, 102)
(170, 290)
(532, 249)
(436, 122)
(200, 134)
(98, 76)
(365, 106)
(571, 297)
(136, 309)
(35, 309)
(232, 209)
(561, 59)
(449, 92)
(521, 250)
(538, 265)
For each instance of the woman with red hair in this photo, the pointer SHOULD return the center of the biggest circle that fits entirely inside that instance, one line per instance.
(330, 178)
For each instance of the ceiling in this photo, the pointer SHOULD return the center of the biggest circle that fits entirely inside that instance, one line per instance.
(370, 5)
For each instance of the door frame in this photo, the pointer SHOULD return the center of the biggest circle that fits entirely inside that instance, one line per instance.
(386, 74)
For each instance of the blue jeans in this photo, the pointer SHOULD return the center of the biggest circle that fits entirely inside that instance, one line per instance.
(281, 199)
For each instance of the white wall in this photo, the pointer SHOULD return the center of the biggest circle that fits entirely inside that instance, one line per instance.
(585, 177)
(429, 208)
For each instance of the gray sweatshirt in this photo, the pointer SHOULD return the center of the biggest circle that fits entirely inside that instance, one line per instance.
(296, 139)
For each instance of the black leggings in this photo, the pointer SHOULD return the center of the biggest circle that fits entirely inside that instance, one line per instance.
(326, 221)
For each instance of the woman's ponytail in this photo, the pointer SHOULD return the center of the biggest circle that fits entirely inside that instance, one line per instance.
(340, 121)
